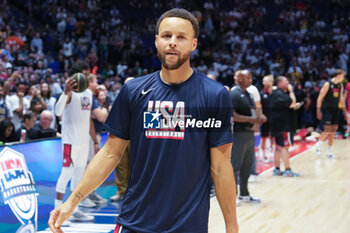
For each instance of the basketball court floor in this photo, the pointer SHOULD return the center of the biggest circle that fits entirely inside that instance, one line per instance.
(317, 201)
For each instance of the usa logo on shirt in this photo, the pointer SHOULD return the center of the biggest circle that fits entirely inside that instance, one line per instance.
(85, 103)
(164, 119)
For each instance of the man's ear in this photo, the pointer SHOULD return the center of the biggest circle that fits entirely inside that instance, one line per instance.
(156, 41)
(194, 44)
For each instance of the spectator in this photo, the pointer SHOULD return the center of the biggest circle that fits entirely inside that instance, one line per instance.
(7, 131)
(43, 130)
(29, 120)
(50, 101)
(5, 112)
(36, 45)
(18, 104)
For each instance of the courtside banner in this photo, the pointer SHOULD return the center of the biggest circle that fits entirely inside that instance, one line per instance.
(17, 187)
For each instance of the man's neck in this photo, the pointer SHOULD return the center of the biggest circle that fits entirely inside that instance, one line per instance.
(173, 77)
(242, 87)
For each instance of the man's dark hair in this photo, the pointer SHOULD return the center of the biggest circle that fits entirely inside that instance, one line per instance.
(179, 13)
(28, 115)
(21, 83)
(77, 67)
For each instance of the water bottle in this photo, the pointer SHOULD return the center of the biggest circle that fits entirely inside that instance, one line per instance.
(23, 135)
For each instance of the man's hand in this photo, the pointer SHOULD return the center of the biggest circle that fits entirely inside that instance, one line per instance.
(96, 148)
(319, 114)
(58, 216)
(20, 94)
(70, 85)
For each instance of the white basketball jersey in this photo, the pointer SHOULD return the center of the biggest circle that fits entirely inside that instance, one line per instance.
(76, 119)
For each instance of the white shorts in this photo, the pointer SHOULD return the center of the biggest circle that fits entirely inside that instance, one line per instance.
(75, 155)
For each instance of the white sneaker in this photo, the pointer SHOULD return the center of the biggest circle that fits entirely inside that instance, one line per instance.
(97, 199)
(238, 202)
(87, 203)
(79, 216)
(117, 197)
(330, 155)
(252, 179)
(318, 151)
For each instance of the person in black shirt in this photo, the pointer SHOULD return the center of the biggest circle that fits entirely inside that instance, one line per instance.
(7, 131)
(265, 95)
(29, 120)
(243, 133)
(331, 95)
(281, 121)
(43, 130)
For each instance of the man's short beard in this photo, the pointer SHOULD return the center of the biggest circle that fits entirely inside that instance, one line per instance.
(179, 63)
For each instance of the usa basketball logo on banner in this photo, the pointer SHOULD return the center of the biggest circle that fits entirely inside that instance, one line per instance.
(17, 186)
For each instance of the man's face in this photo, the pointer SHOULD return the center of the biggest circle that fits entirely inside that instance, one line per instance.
(244, 79)
(267, 83)
(93, 84)
(45, 121)
(31, 121)
(174, 42)
(21, 88)
(284, 84)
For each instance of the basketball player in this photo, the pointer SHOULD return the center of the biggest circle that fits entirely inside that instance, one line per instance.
(347, 98)
(283, 102)
(328, 102)
(171, 160)
(75, 109)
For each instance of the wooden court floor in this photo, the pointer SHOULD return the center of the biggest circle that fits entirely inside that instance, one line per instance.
(316, 202)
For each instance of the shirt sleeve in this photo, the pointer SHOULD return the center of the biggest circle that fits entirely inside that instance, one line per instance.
(254, 91)
(95, 103)
(223, 113)
(234, 101)
(119, 119)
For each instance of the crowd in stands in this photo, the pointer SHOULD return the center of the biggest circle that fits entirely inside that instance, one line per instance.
(40, 40)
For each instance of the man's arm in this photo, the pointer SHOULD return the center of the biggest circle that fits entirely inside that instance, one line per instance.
(224, 183)
(93, 136)
(97, 171)
(343, 103)
(292, 96)
(259, 114)
(19, 110)
(320, 98)
(65, 97)
(242, 118)
(100, 114)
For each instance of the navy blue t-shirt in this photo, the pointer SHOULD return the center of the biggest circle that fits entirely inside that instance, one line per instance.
(97, 124)
(171, 129)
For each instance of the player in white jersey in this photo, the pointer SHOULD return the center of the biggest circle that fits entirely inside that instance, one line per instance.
(75, 109)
